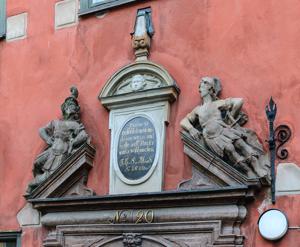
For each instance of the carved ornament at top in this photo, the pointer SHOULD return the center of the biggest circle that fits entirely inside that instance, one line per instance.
(139, 82)
(142, 34)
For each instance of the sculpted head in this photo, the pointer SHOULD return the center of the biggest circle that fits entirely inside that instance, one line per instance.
(70, 108)
(210, 86)
(138, 82)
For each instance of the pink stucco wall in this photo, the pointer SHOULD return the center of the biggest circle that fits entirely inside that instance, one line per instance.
(251, 45)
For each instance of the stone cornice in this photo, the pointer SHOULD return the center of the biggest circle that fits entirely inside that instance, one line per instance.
(227, 195)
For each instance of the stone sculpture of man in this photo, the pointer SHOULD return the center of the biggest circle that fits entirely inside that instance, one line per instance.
(218, 122)
(63, 138)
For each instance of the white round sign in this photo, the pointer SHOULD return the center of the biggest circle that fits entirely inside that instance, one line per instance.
(272, 224)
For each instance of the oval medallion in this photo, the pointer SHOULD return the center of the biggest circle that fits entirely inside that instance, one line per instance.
(136, 148)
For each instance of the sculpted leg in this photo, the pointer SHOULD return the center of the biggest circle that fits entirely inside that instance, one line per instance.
(244, 148)
(232, 154)
(237, 159)
(36, 182)
(251, 158)
(259, 170)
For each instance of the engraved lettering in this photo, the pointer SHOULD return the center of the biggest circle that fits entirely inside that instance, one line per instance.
(136, 148)
(141, 216)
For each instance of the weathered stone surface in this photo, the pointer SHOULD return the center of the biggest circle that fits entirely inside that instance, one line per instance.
(66, 13)
(288, 179)
(28, 216)
(208, 217)
(205, 233)
(16, 27)
(161, 215)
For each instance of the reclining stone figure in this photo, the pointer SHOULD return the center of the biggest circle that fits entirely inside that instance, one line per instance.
(218, 122)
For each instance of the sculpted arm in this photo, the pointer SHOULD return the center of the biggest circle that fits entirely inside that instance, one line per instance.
(46, 133)
(187, 124)
(80, 137)
(235, 106)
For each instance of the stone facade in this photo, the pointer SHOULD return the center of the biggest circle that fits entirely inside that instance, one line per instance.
(247, 44)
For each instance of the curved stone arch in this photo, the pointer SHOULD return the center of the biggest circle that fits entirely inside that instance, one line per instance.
(101, 242)
(157, 240)
(140, 67)
(164, 242)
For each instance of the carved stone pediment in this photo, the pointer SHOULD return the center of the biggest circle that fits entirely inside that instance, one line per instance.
(210, 171)
(137, 83)
(70, 178)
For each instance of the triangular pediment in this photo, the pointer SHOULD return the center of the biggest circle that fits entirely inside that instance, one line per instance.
(209, 170)
(70, 178)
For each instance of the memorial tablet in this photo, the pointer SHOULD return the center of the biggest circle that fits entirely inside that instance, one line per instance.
(137, 148)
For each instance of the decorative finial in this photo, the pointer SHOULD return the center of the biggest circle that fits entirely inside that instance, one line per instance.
(74, 92)
(72, 99)
(142, 34)
(271, 110)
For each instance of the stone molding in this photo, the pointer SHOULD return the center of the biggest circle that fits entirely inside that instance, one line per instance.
(206, 233)
(211, 217)
(221, 196)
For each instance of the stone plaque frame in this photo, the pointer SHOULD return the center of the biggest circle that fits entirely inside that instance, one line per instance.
(115, 143)
(151, 100)
(157, 113)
